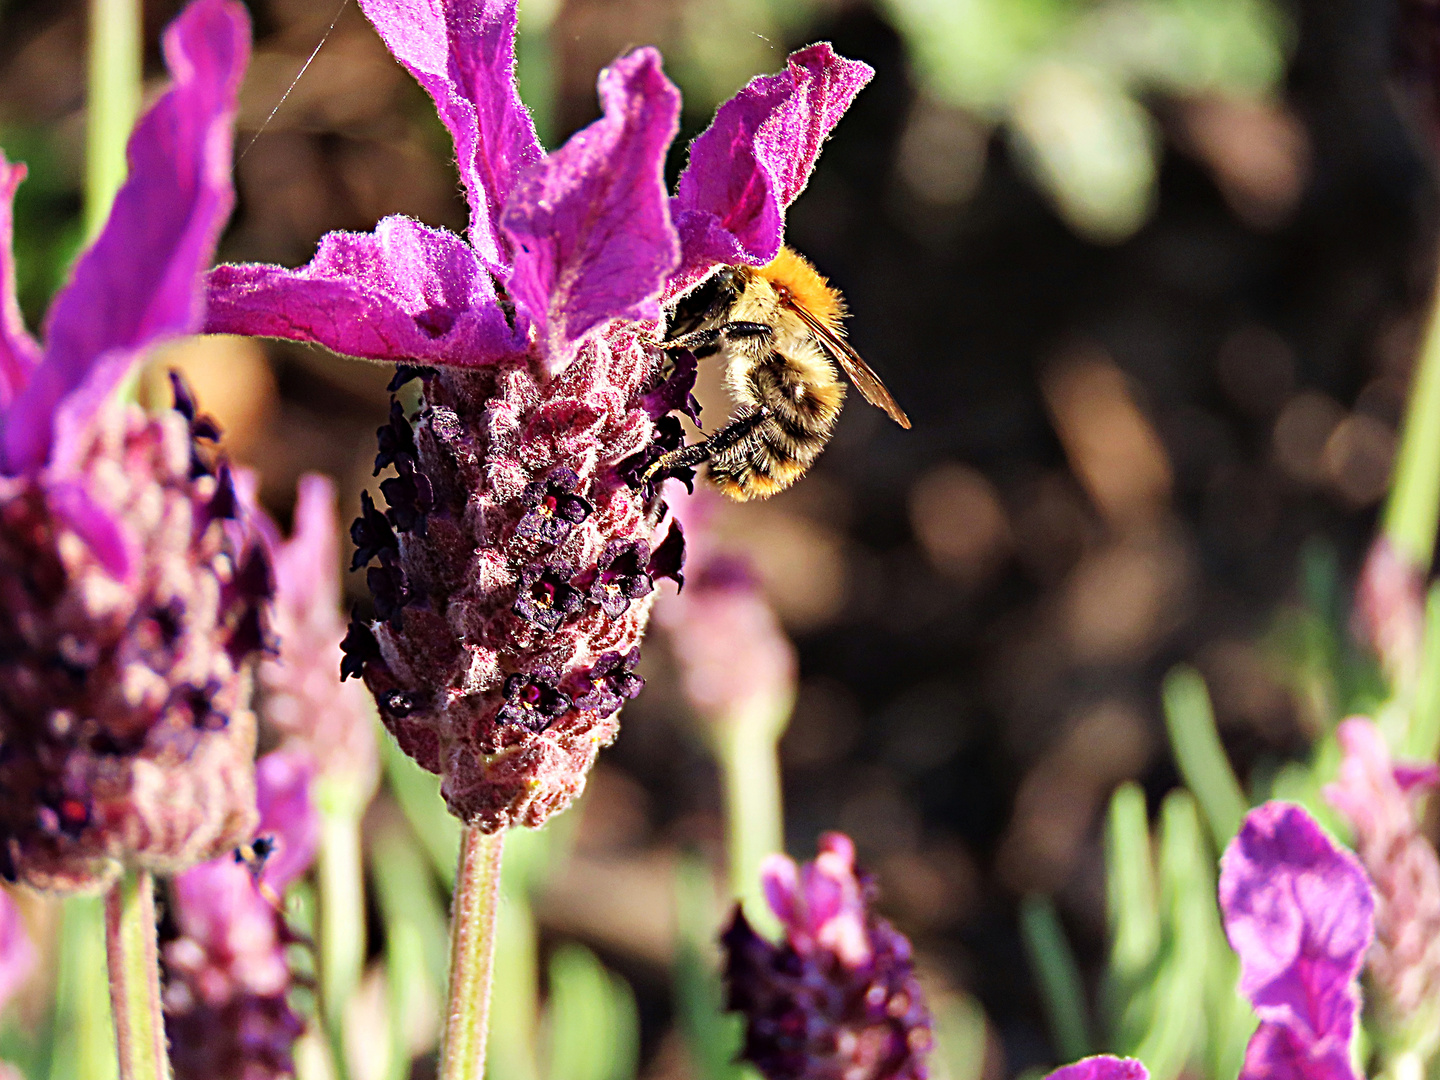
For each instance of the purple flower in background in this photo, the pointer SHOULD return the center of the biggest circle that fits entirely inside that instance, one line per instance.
(1380, 801)
(838, 999)
(536, 343)
(227, 978)
(302, 698)
(17, 952)
(1102, 1067)
(1299, 913)
(131, 594)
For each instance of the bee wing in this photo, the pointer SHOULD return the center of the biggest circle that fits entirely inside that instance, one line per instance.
(861, 374)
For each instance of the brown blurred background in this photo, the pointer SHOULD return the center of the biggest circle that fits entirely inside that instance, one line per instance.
(1123, 454)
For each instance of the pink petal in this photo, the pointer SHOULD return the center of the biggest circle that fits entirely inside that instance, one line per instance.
(71, 503)
(305, 565)
(138, 284)
(1299, 913)
(404, 293)
(463, 53)
(590, 222)
(780, 880)
(756, 157)
(1102, 1067)
(287, 814)
(1275, 1052)
(19, 352)
(17, 953)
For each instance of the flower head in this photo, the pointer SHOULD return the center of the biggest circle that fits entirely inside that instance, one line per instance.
(536, 340)
(227, 978)
(303, 698)
(131, 588)
(839, 998)
(1379, 800)
(1299, 913)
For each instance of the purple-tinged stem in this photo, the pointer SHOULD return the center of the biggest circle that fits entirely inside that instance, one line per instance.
(130, 949)
(472, 955)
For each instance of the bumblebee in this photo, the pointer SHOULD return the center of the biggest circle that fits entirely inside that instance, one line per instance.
(778, 329)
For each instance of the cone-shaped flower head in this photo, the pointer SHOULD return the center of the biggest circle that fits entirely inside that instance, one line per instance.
(1299, 914)
(302, 697)
(1379, 800)
(227, 980)
(130, 592)
(518, 535)
(838, 998)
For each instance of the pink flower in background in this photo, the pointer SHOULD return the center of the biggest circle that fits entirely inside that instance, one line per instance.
(1380, 799)
(17, 952)
(131, 593)
(302, 697)
(1102, 1067)
(1390, 609)
(838, 999)
(1299, 913)
(227, 979)
(513, 569)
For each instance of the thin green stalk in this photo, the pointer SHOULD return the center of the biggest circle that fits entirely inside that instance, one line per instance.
(132, 953)
(748, 751)
(1414, 503)
(1061, 991)
(113, 101)
(342, 906)
(1200, 755)
(472, 955)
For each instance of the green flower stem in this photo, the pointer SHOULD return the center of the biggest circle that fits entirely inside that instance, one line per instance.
(130, 948)
(747, 747)
(342, 904)
(1414, 504)
(472, 955)
(113, 101)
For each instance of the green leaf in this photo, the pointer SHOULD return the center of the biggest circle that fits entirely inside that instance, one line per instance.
(418, 793)
(1200, 755)
(592, 1027)
(1062, 993)
(1134, 914)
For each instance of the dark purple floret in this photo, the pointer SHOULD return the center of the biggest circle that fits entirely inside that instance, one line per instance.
(621, 576)
(669, 558)
(533, 701)
(391, 589)
(610, 683)
(675, 391)
(546, 597)
(405, 372)
(223, 505)
(411, 497)
(554, 508)
(669, 435)
(371, 534)
(395, 439)
(201, 425)
(360, 647)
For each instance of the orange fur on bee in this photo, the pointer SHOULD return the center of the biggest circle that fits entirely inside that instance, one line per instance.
(793, 278)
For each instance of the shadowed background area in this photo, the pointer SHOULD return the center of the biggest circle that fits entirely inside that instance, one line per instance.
(1152, 314)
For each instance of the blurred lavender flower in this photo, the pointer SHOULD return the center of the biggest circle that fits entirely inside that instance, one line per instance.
(1380, 801)
(227, 979)
(1102, 1067)
(838, 1000)
(1390, 610)
(1299, 913)
(542, 381)
(17, 952)
(130, 594)
(302, 695)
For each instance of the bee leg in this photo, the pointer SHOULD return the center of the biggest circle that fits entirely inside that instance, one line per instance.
(689, 456)
(697, 340)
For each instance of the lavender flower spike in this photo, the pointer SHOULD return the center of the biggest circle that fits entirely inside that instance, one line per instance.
(1299, 913)
(520, 547)
(1380, 801)
(838, 998)
(131, 593)
(227, 978)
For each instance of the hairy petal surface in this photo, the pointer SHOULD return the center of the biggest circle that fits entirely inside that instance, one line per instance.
(463, 53)
(403, 293)
(139, 283)
(756, 157)
(18, 351)
(1299, 913)
(590, 223)
(1102, 1067)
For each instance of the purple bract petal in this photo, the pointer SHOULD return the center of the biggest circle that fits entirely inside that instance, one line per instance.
(1102, 1067)
(18, 351)
(463, 53)
(1275, 1052)
(821, 905)
(139, 283)
(1300, 914)
(287, 815)
(102, 533)
(590, 223)
(404, 292)
(756, 157)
